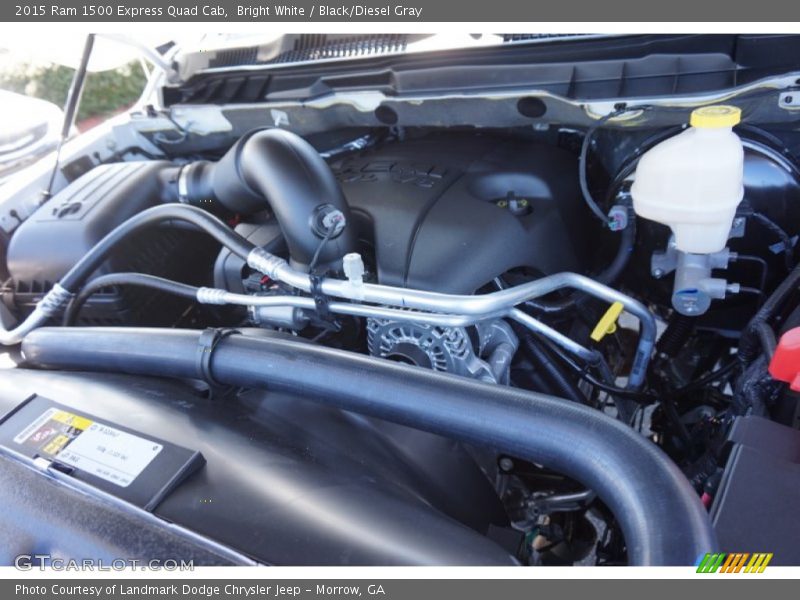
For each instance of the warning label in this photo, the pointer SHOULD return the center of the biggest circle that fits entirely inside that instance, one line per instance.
(113, 455)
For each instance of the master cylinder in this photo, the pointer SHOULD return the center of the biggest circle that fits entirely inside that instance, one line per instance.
(693, 183)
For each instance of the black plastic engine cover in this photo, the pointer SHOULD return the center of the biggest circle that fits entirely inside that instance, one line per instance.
(286, 481)
(59, 233)
(443, 212)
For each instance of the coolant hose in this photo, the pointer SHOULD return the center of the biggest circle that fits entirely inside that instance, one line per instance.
(558, 378)
(662, 518)
(627, 239)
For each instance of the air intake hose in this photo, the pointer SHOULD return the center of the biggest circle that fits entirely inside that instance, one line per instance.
(662, 518)
(273, 168)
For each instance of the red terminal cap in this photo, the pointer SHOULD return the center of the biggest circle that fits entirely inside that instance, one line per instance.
(785, 364)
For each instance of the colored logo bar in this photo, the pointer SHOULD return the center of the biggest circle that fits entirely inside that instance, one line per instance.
(735, 562)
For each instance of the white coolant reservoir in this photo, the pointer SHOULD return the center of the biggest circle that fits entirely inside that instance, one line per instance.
(693, 181)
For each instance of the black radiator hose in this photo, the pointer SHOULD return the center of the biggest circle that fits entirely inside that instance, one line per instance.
(609, 275)
(661, 516)
(560, 381)
(276, 169)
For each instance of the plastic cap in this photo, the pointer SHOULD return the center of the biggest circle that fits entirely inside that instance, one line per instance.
(353, 268)
(785, 363)
(710, 117)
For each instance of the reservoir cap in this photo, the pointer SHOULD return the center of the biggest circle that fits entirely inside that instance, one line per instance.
(712, 117)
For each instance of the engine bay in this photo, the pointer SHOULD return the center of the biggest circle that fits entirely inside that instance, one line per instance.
(520, 274)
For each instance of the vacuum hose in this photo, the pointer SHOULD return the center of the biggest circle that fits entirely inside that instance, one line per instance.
(662, 518)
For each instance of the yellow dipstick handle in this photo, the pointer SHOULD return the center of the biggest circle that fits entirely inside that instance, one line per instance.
(608, 322)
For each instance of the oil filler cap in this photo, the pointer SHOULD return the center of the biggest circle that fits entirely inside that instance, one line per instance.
(785, 363)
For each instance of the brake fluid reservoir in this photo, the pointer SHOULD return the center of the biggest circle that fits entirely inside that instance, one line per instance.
(693, 181)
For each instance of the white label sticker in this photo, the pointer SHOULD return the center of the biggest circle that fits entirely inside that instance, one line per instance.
(110, 454)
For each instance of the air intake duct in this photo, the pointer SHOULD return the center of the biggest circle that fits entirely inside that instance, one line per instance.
(276, 169)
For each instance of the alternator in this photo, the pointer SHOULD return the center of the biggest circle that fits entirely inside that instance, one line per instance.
(485, 355)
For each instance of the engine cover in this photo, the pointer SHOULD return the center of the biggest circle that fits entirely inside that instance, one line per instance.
(449, 212)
